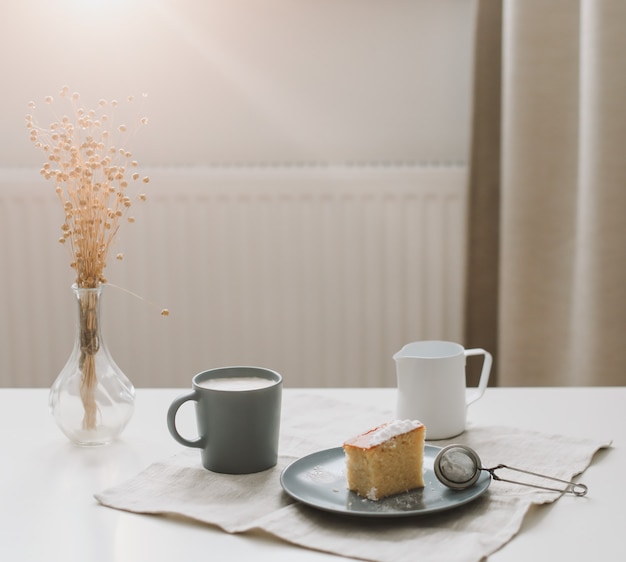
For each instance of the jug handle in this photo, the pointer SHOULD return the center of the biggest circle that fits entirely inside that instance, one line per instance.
(484, 374)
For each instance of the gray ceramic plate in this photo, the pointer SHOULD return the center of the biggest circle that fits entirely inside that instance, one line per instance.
(319, 480)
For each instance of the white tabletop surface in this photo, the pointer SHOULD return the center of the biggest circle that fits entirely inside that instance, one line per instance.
(48, 513)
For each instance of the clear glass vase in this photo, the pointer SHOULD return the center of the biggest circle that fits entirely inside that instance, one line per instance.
(91, 399)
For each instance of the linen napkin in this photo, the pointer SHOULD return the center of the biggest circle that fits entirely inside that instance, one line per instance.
(239, 503)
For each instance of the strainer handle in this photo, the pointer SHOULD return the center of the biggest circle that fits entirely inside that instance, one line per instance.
(575, 488)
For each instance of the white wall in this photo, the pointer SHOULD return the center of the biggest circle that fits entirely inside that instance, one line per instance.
(250, 80)
(347, 83)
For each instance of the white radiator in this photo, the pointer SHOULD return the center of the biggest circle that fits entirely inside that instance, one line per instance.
(320, 272)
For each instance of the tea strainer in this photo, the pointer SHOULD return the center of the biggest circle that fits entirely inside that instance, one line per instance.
(459, 466)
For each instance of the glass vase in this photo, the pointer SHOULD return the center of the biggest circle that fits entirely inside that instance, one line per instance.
(91, 399)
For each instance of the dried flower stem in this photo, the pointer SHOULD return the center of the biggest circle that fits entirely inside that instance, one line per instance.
(89, 346)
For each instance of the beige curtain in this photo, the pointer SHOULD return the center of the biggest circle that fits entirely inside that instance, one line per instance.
(560, 194)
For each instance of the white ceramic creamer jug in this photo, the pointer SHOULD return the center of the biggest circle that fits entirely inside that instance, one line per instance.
(432, 387)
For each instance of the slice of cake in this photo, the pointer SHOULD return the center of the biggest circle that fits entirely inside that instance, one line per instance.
(386, 460)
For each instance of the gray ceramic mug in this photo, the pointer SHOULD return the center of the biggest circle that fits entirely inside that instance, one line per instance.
(237, 416)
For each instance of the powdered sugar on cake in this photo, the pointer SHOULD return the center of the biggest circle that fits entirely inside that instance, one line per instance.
(390, 430)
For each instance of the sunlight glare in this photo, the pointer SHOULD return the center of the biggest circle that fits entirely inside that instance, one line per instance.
(106, 8)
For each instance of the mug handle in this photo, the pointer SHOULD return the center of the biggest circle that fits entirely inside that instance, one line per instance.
(171, 420)
(484, 374)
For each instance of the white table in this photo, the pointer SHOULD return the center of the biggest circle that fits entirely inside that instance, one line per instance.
(48, 513)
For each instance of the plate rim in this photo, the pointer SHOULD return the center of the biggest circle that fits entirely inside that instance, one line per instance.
(481, 485)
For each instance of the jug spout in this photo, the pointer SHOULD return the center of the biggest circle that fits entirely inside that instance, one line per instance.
(429, 349)
(403, 353)
(414, 350)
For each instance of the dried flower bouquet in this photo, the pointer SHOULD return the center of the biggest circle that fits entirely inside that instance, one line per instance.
(92, 174)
